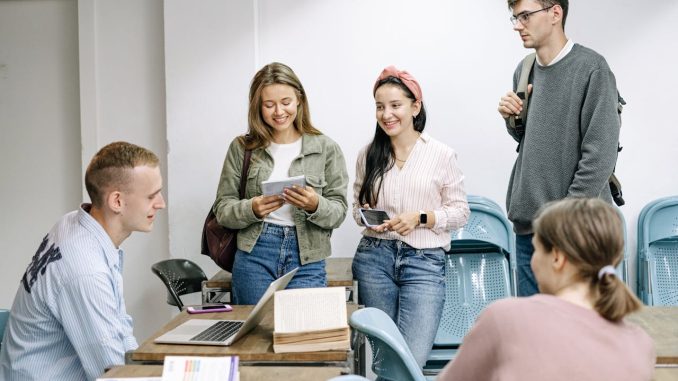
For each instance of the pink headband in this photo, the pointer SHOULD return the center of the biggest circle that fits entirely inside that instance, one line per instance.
(406, 78)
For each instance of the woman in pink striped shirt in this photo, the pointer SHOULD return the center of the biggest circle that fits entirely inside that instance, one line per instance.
(399, 264)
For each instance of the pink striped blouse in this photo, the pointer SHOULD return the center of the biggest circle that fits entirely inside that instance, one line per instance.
(430, 180)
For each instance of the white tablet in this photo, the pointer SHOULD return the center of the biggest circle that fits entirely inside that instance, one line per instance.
(271, 187)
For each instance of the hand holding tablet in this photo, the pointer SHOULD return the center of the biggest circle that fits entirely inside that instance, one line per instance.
(276, 187)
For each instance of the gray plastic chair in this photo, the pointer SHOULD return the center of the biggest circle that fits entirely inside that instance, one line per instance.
(658, 252)
(180, 277)
(391, 357)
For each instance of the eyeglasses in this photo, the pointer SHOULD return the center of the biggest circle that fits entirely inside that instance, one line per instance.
(524, 17)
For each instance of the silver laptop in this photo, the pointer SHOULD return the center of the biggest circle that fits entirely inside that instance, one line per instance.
(224, 332)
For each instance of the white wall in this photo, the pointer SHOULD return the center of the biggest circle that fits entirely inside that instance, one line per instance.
(464, 55)
(207, 47)
(122, 81)
(39, 128)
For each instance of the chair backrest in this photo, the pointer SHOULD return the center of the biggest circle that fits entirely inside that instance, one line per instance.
(4, 315)
(391, 357)
(658, 252)
(472, 282)
(487, 230)
(486, 226)
(180, 276)
(475, 199)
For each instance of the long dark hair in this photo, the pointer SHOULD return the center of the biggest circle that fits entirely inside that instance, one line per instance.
(380, 156)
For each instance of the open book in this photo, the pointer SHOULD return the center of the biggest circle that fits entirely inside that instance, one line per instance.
(310, 320)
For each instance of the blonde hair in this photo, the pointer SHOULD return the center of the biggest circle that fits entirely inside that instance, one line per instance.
(260, 134)
(589, 232)
(110, 168)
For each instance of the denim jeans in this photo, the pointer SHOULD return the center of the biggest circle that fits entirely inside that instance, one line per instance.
(527, 284)
(406, 283)
(275, 254)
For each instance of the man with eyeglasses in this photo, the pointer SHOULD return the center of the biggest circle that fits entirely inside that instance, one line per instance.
(569, 145)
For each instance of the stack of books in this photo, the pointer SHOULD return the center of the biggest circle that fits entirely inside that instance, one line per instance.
(310, 320)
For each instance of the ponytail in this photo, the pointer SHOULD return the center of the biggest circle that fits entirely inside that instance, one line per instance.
(615, 300)
(590, 234)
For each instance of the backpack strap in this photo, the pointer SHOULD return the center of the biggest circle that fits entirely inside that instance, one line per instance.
(518, 122)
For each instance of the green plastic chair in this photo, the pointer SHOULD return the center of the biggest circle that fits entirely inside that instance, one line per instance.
(181, 277)
(391, 357)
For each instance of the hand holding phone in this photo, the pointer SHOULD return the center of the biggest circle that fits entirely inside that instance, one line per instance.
(373, 217)
(208, 308)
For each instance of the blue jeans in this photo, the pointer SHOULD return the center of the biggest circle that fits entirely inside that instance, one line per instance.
(527, 284)
(406, 283)
(275, 254)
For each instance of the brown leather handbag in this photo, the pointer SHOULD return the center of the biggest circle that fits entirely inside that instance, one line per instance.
(220, 242)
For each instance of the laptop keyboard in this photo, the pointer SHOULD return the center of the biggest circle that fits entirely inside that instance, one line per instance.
(219, 331)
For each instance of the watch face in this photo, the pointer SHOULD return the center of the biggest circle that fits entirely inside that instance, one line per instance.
(422, 218)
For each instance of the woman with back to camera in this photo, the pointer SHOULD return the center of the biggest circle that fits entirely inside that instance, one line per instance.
(281, 232)
(576, 329)
(399, 264)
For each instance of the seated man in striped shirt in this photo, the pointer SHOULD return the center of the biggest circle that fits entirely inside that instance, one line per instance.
(68, 320)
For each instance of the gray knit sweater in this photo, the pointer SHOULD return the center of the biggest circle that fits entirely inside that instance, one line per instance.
(572, 130)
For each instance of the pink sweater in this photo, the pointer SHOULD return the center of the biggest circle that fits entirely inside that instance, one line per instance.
(543, 337)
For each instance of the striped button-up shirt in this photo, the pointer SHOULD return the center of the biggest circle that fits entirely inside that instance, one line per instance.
(428, 181)
(68, 320)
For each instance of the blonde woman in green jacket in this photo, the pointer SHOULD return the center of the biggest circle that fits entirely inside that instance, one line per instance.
(281, 232)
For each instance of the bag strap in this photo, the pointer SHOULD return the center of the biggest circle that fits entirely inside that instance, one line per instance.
(243, 174)
(518, 123)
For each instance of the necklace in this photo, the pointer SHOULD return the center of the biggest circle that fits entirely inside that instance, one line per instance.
(407, 151)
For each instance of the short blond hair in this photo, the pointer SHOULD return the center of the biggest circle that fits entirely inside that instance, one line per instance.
(589, 232)
(111, 168)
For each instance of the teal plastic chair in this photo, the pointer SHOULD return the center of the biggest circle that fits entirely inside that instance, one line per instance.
(658, 252)
(180, 277)
(479, 269)
(4, 315)
(391, 357)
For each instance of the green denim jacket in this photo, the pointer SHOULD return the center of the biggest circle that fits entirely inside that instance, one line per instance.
(321, 161)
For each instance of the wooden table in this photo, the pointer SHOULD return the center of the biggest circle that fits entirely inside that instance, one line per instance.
(247, 373)
(256, 348)
(665, 374)
(661, 323)
(339, 274)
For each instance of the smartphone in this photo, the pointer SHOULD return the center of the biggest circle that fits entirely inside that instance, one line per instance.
(209, 307)
(373, 217)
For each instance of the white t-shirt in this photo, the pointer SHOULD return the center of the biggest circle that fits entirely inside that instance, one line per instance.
(283, 156)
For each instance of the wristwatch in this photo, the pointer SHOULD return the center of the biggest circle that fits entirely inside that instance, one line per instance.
(423, 217)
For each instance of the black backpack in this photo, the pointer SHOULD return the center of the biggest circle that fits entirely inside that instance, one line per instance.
(517, 122)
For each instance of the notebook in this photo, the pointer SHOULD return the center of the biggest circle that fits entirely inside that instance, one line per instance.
(224, 332)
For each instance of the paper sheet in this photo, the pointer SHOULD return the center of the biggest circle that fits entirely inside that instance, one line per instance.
(309, 309)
